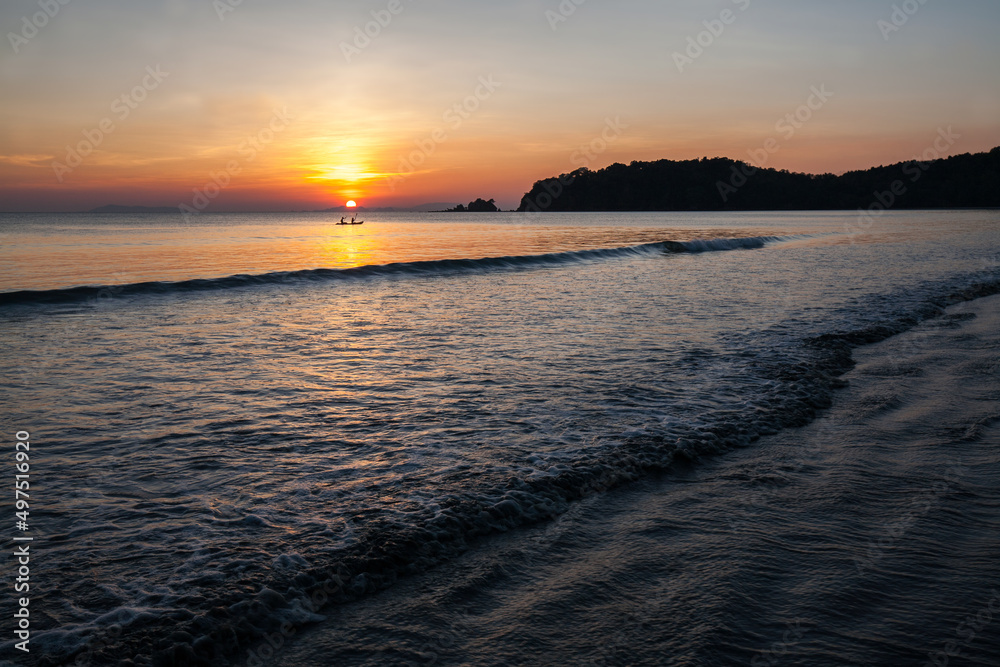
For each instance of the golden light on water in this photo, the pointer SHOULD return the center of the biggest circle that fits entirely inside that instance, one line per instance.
(345, 247)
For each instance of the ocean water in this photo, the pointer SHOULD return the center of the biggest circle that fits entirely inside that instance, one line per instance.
(242, 424)
(867, 537)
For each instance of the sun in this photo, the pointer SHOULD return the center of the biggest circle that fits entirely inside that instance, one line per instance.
(351, 204)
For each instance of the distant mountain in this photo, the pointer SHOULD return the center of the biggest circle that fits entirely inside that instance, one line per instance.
(114, 208)
(721, 184)
(434, 206)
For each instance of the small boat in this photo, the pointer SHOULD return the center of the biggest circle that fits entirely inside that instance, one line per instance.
(351, 223)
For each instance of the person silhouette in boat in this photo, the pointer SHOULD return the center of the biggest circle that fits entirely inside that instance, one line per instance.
(353, 218)
(342, 219)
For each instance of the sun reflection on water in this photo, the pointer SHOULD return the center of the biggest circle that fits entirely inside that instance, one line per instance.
(347, 246)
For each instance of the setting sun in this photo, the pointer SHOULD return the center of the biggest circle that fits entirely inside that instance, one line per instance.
(351, 204)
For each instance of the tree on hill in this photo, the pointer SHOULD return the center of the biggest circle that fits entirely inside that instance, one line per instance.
(481, 206)
(721, 184)
(478, 206)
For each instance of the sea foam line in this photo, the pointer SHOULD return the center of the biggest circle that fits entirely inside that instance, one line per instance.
(395, 269)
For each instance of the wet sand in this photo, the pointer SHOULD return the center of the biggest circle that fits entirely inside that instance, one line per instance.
(869, 537)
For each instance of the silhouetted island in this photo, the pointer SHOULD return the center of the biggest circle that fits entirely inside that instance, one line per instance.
(722, 184)
(479, 206)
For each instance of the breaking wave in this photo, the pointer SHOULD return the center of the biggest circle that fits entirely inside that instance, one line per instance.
(394, 270)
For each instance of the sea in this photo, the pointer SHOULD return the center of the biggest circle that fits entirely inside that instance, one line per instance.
(504, 439)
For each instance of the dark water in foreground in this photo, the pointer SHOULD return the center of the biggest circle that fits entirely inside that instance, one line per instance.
(215, 451)
(869, 537)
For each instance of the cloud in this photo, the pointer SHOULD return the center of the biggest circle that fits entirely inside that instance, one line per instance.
(31, 160)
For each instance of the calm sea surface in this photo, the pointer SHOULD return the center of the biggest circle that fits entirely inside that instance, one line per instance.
(231, 415)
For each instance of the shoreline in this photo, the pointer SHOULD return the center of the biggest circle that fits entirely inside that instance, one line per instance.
(503, 575)
(383, 558)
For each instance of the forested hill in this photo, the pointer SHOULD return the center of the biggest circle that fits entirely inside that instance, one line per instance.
(721, 184)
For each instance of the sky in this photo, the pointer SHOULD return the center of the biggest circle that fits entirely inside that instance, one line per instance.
(229, 105)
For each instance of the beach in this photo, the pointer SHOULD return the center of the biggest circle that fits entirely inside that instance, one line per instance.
(868, 537)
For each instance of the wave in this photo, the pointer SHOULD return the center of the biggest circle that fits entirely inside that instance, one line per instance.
(799, 387)
(397, 269)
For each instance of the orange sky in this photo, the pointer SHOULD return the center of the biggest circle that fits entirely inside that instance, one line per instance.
(279, 108)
